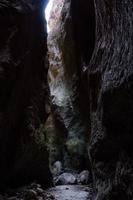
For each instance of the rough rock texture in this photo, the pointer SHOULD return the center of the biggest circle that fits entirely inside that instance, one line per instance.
(55, 13)
(68, 93)
(111, 96)
(33, 191)
(23, 93)
(91, 85)
(102, 33)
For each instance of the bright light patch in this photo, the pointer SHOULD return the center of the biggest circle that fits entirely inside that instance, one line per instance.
(47, 12)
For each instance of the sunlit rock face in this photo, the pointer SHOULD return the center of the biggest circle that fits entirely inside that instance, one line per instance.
(23, 93)
(55, 13)
(66, 87)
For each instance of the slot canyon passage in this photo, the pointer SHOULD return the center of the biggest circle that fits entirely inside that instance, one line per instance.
(66, 100)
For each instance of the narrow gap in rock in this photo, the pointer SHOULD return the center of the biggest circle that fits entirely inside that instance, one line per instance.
(47, 13)
(67, 126)
(66, 100)
(46, 140)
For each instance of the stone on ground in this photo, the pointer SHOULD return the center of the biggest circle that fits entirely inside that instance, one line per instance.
(65, 179)
(84, 177)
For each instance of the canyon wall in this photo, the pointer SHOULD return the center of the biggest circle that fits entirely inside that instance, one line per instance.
(55, 13)
(24, 93)
(68, 94)
(91, 85)
(95, 40)
(110, 86)
(111, 100)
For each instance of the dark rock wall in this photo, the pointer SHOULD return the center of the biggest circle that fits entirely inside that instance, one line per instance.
(91, 87)
(23, 92)
(83, 20)
(110, 86)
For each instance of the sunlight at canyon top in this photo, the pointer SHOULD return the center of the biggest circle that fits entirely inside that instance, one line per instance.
(53, 13)
(47, 12)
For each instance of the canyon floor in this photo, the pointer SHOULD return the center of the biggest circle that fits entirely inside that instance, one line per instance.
(62, 192)
(70, 192)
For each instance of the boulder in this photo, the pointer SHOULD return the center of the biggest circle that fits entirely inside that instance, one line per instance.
(57, 168)
(83, 177)
(65, 179)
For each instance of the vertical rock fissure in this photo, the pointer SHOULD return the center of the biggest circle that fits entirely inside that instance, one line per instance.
(75, 112)
(70, 47)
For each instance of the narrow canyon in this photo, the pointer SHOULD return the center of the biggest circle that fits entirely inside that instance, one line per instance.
(66, 100)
